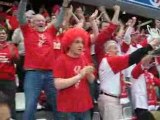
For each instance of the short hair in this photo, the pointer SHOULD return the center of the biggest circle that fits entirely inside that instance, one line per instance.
(3, 28)
(108, 44)
(37, 16)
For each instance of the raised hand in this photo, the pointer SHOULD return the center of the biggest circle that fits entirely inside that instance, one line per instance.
(66, 3)
(116, 8)
(101, 8)
(134, 20)
(94, 15)
(116, 14)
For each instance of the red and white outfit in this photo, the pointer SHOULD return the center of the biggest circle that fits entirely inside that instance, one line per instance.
(143, 88)
(38, 47)
(110, 83)
(76, 98)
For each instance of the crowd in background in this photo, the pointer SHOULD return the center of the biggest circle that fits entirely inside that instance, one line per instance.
(75, 61)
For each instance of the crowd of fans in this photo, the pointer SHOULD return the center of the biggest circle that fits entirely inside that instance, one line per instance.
(78, 61)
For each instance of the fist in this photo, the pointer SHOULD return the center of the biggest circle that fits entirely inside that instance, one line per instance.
(101, 8)
(116, 7)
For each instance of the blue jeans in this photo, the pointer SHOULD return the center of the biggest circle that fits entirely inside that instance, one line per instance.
(34, 82)
(76, 115)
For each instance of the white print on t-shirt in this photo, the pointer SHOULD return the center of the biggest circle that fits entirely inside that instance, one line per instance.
(42, 39)
(76, 71)
(57, 45)
(3, 58)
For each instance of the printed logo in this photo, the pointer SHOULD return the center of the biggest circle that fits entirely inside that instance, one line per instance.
(3, 58)
(42, 39)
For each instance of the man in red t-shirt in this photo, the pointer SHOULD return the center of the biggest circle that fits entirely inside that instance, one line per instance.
(72, 74)
(39, 59)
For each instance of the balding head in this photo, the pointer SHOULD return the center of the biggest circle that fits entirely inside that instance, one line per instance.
(39, 22)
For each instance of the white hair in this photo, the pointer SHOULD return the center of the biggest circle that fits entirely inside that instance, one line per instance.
(108, 44)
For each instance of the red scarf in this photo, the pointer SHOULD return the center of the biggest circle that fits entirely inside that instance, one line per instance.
(124, 93)
(152, 98)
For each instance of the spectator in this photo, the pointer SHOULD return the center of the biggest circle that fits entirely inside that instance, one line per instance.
(38, 41)
(111, 84)
(8, 57)
(72, 74)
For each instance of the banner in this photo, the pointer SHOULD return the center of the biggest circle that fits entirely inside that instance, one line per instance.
(147, 3)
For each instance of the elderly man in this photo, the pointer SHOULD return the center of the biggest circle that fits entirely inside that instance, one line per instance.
(39, 60)
(110, 71)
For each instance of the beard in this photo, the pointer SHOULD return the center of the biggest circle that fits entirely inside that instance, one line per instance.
(41, 29)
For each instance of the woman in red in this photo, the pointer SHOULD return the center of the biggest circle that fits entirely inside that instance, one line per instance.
(8, 56)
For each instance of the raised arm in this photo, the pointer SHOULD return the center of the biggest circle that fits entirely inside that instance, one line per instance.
(94, 25)
(127, 38)
(21, 12)
(60, 17)
(104, 14)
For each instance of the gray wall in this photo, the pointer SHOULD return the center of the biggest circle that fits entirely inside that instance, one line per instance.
(128, 7)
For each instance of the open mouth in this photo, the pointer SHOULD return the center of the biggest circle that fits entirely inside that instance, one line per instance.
(40, 26)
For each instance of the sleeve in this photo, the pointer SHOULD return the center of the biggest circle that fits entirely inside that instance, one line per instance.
(103, 36)
(59, 70)
(59, 18)
(16, 37)
(118, 63)
(136, 56)
(21, 12)
(137, 71)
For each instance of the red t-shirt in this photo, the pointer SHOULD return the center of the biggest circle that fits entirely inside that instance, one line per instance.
(39, 48)
(7, 69)
(76, 98)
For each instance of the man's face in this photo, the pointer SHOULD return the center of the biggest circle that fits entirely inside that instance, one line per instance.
(39, 23)
(157, 24)
(4, 112)
(112, 49)
(3, 35)
(77, 47)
